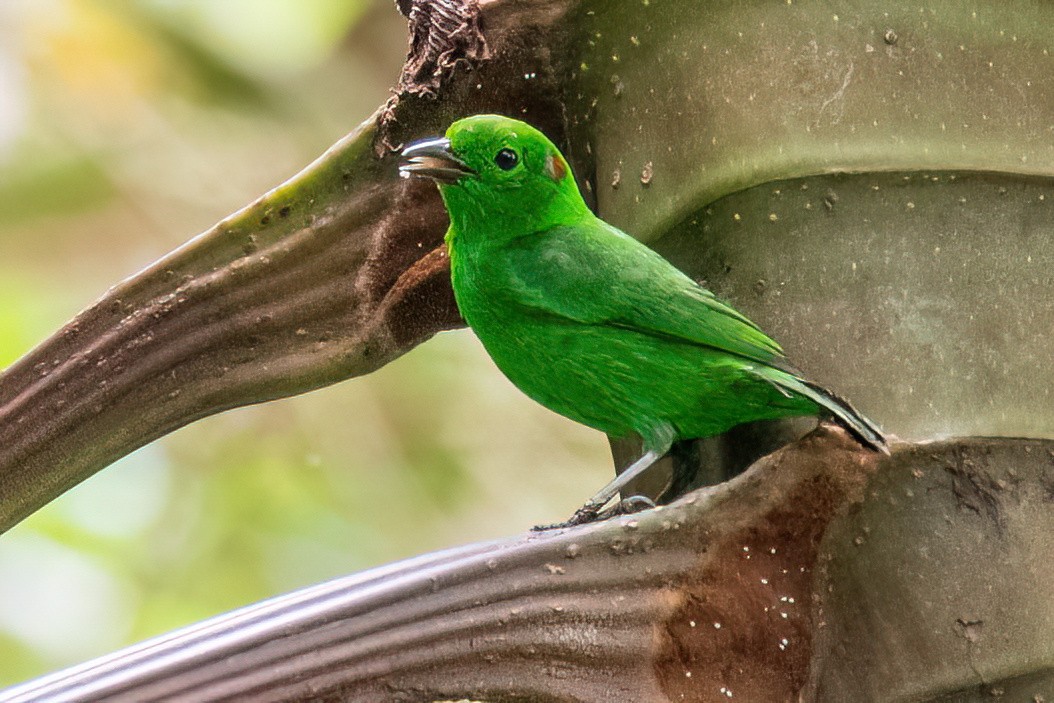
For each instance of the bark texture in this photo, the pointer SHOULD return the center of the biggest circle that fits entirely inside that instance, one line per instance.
(824, 573)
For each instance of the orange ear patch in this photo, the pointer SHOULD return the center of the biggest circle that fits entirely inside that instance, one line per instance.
(555, 167)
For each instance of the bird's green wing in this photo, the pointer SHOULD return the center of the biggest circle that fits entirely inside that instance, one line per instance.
(595, 274)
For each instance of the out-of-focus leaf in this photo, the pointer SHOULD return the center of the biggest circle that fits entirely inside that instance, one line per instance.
(25, 307)
(19, 658)
(266, 39)
(35, 184)
(207, 74)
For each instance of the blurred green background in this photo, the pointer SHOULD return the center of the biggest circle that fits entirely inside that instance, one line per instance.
(127, 126)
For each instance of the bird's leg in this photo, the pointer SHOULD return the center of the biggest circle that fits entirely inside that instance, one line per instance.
(591, 511)
(592, 508)
(627, 506)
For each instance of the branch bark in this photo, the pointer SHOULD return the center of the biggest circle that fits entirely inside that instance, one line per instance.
(799, 580)
(328, 276)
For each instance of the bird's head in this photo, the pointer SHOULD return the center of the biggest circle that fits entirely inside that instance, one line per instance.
(492, 169)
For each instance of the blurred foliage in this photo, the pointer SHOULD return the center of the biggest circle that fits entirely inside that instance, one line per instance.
(127, 126)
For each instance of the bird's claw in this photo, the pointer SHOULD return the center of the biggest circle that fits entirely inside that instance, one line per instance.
(586, 514)
(591, 512)
(630, 505)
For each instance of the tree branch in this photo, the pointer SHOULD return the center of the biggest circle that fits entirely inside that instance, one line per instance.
(799, 580)
(329, 276)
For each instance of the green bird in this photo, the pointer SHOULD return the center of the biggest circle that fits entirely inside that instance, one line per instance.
(588, 321)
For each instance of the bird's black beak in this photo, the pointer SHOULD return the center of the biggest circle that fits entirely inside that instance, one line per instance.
(432, 158)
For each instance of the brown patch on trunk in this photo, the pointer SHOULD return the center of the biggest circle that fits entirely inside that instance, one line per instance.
(422, 301)
(744, 629)
(407, 273)
(412, 227)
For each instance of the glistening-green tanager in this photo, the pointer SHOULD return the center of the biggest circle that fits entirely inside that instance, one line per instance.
(587, 320)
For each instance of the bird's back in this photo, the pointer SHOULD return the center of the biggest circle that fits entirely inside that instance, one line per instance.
(585, 320)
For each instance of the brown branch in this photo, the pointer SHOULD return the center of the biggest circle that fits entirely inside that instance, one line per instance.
(800, 580)
(329, 276)
(296, 291)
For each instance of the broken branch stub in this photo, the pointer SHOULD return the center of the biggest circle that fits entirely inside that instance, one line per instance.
(328, 276)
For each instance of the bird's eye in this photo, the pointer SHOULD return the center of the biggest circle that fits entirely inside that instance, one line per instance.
(506, 159)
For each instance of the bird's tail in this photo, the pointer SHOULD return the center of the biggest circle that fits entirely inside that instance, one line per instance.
(863, 429)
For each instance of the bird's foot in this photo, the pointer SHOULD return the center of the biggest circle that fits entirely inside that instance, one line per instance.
(628, 506)
(590, 512)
